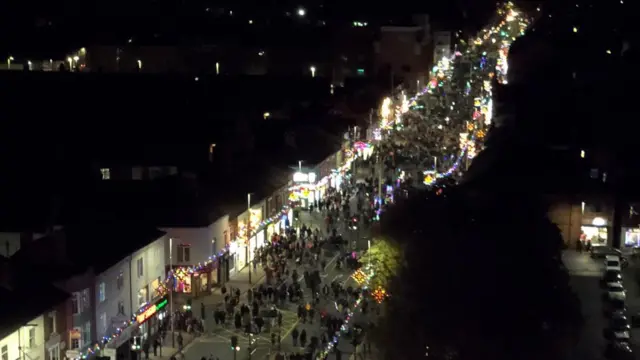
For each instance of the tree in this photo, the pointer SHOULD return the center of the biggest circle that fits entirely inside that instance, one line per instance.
(383, 258)
(481, 277)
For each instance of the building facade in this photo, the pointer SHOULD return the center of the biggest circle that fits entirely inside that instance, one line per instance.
(442, 45)
(402, 54)
(27, 342)
(128, 286)
(185, 247)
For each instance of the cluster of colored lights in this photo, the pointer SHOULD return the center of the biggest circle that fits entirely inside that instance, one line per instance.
(324, 353)
(379, 294)
(497, 39)
(359, 276)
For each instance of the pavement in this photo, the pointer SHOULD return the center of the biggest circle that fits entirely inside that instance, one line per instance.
(585, 274)
(216, 340)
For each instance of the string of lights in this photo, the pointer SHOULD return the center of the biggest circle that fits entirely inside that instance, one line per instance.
(509, 17)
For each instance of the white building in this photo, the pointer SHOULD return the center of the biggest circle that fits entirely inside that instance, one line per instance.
(26, 342)
(29, 325)
(192, 245)
(127, 286)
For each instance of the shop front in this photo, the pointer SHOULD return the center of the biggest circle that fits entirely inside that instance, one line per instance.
(596, 233)
(260, 239)
(631, 237)
(303, 190)
(282, 224)
(251, 249)
(270, 231)
(237, 255)
(195, 283)
(149, 319)
(151, 316)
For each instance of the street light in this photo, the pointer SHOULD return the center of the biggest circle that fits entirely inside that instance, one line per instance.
(9, 60)
(173, 334)
(302, 12)
(313, 71)
(249, 233)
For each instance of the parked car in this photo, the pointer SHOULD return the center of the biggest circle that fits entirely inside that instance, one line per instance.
(615, 291)
(618, 329)
(618, 351)
(600, 252)
(614, 307)
(610, 277)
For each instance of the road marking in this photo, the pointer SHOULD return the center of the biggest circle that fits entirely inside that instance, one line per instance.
(336, 277)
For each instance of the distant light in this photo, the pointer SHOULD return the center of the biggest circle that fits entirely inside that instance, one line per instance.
(250, 21)
(83, 51)
(196, 78)
(261, 53)
(302, 12)
(360, 71)
(76, 58)
(266, 115)
(130, 41)
(609, 52)
(217, 68)
(575, 29)
(583, 154)
(598, 221)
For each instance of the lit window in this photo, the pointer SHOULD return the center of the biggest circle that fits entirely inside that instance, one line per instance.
(120, 280)
(106, 173)
(103, 321)
(102, 289)
(140, 264)
(75, 303)
(32, 337)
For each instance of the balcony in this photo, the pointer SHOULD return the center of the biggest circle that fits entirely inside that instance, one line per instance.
(53, 340)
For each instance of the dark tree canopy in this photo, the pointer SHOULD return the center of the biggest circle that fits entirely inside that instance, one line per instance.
(482, 279)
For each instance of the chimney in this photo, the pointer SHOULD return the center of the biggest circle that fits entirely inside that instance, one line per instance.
(6, 278)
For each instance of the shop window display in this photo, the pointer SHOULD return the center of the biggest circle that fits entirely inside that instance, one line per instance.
(182, 281)
(632, 238)
(597, 235)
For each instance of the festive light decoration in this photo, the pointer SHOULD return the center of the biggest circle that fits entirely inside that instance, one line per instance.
(379, 294)
(163, 288)
(359, 276)
(322, 354)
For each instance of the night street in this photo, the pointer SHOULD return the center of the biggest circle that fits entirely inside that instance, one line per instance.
(217, 340)
(585, 275)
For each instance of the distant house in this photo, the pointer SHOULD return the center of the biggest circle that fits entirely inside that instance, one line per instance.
(110, 271)
(33, 318)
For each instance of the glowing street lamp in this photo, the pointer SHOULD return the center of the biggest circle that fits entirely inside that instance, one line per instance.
(9, 60)
(302, 12)
(313, 71)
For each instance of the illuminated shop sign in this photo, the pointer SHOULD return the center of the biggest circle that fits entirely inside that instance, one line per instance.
(300, 177)
(150, 311)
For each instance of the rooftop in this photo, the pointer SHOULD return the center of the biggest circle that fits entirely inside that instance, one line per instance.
(83, 246)
(21, 304)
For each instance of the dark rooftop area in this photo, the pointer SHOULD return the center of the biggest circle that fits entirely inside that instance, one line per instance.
(22, 301)
(71, 250)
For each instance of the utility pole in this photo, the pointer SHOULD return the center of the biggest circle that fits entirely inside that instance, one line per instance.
(249, 255)
(171, 319)
(379, 180)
